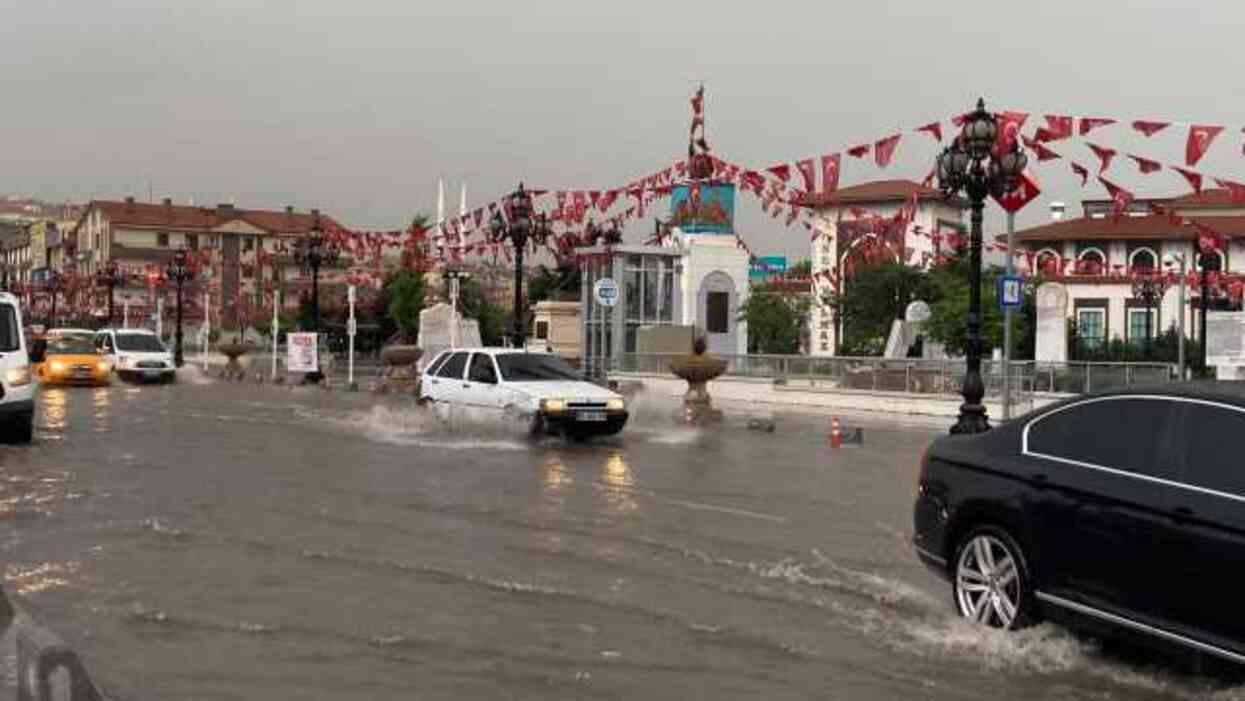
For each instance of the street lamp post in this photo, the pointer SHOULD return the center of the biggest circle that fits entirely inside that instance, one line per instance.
(314, 251)
(109, 276)
(179, 273)
(1149, 290)
(1171, 259)
(973, 165)
(55, 283)
(521, 228)
(1207, 261)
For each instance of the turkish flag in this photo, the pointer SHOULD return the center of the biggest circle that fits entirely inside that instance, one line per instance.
(607, 200)
(1145, 165)
(1122, 198)
(830, 172)
(934, 129)
(1194, 179)
(1081, 171)
(1057, 127)
(1043, 153)
(884, 150)
(782, 172)
(1008, 129)
(1200, 138)
(1104, 154)
(1150, 128)
(1090, 123)
(858, 151)
(1026, 191)
(810, 176)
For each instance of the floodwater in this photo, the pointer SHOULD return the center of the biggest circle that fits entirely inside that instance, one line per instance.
(231, 541)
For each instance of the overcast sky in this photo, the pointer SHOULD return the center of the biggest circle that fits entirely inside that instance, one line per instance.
(359, 107)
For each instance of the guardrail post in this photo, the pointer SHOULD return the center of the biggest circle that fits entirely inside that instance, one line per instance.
(907, 378)
(1087, 384)
(1128, 375)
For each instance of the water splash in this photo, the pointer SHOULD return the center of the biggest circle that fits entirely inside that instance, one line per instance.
(458, 429)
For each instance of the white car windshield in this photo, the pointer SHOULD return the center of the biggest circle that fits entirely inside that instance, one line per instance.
(139, 343)
(534, 367)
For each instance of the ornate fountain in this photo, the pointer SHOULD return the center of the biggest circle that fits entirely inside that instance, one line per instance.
(233, 350)
(698, 368)
(401, 374)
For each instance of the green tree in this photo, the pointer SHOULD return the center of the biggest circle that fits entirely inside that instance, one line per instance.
(948, 321)
(870, 301)
(474, 304)
(562, 282)
(405, 295)
(776, 321)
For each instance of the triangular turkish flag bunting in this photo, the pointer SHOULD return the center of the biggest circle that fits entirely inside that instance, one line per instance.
(680, 167)
(929, 178)
(1043, 153)
(1194, 179)
(782, 172)
(961, 119)
(1090, 123)
(1150, 128)
(934, 129)
(478, 215)
(810, 176)
(1104, 154)
(1122, 198)
(1008, 126)
(1057, 127)
(1081, 171)
(884, 150)
(830, 172)
(607, 200)
(1200, 138)
(858, 151)
(1145, 165)
(594, 196)
(1235, 190)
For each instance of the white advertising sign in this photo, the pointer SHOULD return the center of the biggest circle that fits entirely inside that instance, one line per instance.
(301, 350)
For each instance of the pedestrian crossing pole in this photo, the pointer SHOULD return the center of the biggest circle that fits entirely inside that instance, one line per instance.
(276, 329)
(350, 332)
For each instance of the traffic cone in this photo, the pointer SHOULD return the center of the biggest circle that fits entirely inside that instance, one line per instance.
(836, 434)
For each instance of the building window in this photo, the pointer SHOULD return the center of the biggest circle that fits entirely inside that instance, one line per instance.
(542, 330)
(1091, 326)
(1143, 259)
(162, 240)
(248, 243)
(1092, 261)
(192, 241)
(717, 312)
(1047, 262)
(1137, 325)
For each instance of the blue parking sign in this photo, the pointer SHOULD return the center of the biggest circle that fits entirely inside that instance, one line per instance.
(1011, 292)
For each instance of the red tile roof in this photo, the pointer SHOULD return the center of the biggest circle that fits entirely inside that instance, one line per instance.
(1211, 199)
(870, 193)
(1146, 227)
(180, 217)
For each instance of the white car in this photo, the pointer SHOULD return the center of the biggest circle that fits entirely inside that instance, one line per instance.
(136, 354)
(17, 392)
(539, 386)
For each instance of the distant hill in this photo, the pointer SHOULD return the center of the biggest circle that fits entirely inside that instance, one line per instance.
(22, 208)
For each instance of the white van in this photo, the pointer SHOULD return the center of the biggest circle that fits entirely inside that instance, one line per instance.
(136, 354)
(539, 386)
(17, 391)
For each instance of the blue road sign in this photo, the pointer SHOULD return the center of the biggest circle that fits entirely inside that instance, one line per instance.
(1011, 292)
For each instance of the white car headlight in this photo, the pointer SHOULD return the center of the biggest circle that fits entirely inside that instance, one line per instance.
(16, 377)
(616, 404)
(57, 366)
(553, 405)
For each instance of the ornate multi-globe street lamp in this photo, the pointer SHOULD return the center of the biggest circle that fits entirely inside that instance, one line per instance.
(109, 276)
(179, 273)
(314, 251)
(977, 166)
(521, 228)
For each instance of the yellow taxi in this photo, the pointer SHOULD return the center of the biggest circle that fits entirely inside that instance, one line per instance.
(73, 360)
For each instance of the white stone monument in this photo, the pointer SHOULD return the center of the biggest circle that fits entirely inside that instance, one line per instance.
(904, 333)
(1225, 344)
(434, 331)
(1052, 323)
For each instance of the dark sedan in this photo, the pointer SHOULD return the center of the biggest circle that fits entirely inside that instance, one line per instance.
(1125, 510)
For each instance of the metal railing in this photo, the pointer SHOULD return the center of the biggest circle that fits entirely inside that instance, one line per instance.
(919, 376)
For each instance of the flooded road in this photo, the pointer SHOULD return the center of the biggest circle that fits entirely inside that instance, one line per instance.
(227, 541)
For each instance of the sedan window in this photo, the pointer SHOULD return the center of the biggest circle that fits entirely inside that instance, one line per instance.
(453, 368)
(1210, 463)
(482, 369)
(1122, 433)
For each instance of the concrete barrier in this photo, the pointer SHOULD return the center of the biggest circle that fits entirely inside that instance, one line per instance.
(763, 393)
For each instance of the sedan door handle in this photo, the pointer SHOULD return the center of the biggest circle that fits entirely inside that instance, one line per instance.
(466, 385)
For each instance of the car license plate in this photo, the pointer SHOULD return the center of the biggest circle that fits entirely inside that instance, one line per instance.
(590, 416)
(151, 373)
(81, 372)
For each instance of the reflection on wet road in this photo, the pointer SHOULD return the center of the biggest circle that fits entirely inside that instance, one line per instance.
(215, 541)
